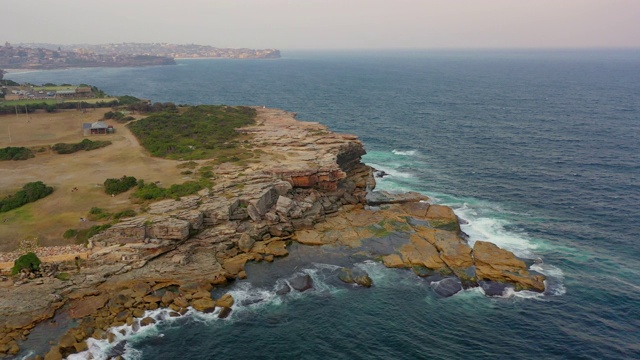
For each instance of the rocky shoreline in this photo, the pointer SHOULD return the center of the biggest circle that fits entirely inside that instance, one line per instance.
(309, 187)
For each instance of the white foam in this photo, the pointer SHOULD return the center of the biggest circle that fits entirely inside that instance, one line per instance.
(404, 152)
(390, 171)
(493, 230)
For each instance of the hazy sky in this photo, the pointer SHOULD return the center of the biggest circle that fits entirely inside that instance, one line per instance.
(332, 24)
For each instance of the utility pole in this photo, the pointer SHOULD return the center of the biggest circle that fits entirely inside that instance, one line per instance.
(9, 129)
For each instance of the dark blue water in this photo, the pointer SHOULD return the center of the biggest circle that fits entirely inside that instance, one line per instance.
(538, 150)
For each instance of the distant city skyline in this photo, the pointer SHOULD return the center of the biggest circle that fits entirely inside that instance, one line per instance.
(329, 24)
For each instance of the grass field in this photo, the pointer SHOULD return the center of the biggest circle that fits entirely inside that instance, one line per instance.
(48, 218)
(28, 102)
(54, 88)
(53, 101)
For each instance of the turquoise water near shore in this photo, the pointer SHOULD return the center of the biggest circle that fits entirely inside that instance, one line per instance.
(538, 150)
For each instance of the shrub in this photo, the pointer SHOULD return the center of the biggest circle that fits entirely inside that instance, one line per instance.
(117, 186)
(154, 192)
(123, 214)
(97, 213)
(27, 261)
(86, 144)
(15, 153)
(30, 192)
(70, 233)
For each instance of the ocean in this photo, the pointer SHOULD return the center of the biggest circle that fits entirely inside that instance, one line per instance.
(538, 150)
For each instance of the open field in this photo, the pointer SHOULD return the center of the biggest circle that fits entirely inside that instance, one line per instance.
(54, 88)
(48, 218)
(29, 102)
(54, 101)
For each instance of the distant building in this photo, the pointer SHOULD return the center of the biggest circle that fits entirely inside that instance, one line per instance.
(66, 93)
(97, 128)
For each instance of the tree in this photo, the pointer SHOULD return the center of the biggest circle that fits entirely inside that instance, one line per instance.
(28, 261)
(1, 74)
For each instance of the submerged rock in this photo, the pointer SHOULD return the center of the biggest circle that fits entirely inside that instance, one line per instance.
(494, 288)
(355, 276)
(301, 282)
(283, 289)
(447, 287)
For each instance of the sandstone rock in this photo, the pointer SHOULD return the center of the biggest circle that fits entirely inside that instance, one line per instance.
(493, 263)
(443, 217)
(384, 197)
(204, 305)
(236, 264)
(277, 248)
(152, 299)
(80, 346)
(167, 298)
(66, 341)
(421, 253)
(53, 354)
(225, 300)
(245, 243)
(393, 261)
(147, 321)
(224, 313)
(88, 305)
(181, 301)
(169, 229)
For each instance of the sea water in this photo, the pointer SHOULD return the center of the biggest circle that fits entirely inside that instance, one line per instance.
(537, 150)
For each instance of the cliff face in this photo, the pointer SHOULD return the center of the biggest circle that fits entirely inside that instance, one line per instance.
(309, 186)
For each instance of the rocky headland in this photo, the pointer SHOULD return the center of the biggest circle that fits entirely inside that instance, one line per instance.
(309, 188)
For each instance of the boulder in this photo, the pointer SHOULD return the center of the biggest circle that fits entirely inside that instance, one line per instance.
(169, 229)
(493, 288)
(224, 313)
(225, 300)
(245, 243)
(355, 276)
(53, 354)
(283, 289)
(147, 321)
(301, 282)
(204, 305)
(447, 287)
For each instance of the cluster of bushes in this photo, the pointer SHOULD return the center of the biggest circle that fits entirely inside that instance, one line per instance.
(30, 192)
(27, 261)
(197, 133)
(15, 153)
(152, 191)
(117, 186)
(82, 236)
(97, 213)
(86, 144)
(11, 109)
(118, 116)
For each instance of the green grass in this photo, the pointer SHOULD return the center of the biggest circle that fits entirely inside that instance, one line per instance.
(53, 88)
(28, 102)
(200, 132)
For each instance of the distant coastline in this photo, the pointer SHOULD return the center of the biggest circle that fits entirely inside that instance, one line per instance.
(54, 56)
